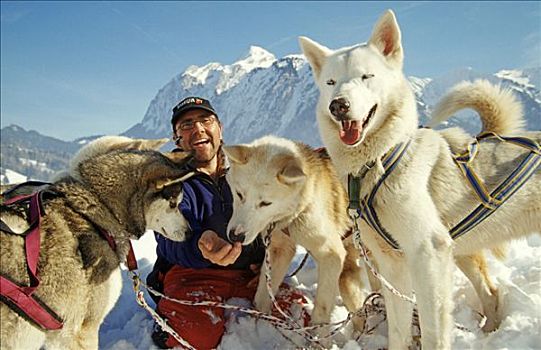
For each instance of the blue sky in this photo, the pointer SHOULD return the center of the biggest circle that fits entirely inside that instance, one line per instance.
(71, 69)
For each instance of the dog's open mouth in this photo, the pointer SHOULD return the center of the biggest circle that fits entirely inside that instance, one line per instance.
(351, 130)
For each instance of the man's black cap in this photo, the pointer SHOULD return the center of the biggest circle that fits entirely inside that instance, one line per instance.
(188, 104)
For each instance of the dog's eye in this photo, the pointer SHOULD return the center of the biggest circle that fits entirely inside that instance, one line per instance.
(367, 76)
(171, 194)
(240, 195)
(264, 204)
(331, 82)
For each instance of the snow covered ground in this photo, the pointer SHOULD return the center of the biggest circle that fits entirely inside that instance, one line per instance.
(11, 177)
(128, 326)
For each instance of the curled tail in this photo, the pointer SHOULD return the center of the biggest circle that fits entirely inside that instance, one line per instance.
(499, 110)
(500, 252)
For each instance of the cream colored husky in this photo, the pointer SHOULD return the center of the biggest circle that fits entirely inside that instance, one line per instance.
(366, 107)
(279, 181)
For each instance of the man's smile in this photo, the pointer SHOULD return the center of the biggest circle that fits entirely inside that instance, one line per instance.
(200, 143)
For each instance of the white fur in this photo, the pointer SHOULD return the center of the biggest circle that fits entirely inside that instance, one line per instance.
(426, 194)
(160, 217)
(248, 216)
(273, 182)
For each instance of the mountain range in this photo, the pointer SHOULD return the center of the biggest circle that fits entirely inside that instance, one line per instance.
(257, 95)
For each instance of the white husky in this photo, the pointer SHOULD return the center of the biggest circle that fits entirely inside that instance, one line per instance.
(289, 184)
(366, 108)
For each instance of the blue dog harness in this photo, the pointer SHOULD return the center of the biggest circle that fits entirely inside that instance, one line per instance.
(490, 201)
(365, 207)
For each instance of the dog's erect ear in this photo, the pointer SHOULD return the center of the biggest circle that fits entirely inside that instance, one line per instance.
(386, 38)
(314, 53)
(237, 154)
(290, 169)
(162, 183)
(179, 157)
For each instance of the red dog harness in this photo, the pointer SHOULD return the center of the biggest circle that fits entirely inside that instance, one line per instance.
(20, 298)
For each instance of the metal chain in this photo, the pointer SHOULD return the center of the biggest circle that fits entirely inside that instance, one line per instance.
(371, 305)
(338, 325)
(276, 322)
(360, 246)
(139, 296)
(266, 242)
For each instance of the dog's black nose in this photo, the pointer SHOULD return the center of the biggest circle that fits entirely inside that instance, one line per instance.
(236, 238)
(339, 107)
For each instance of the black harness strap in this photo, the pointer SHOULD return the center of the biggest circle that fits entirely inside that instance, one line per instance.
(32, 184)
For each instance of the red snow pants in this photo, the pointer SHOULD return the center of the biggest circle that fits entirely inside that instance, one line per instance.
(203, 326)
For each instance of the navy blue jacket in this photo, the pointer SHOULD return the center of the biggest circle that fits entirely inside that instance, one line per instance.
(206, 205)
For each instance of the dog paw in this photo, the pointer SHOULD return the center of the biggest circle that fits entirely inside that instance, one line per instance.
(490, 326)
(359, 323)
(322, 336)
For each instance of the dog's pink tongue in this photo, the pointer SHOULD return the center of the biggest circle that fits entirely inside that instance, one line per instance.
(350, 133)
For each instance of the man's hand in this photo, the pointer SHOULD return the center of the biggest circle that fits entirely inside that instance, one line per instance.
(217, 250)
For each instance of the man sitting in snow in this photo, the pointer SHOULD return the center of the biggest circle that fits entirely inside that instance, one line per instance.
(205, 267)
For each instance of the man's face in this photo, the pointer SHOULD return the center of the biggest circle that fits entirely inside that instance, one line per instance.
(200, 131)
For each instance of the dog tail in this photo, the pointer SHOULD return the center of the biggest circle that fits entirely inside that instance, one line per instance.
(498, 108)
(500, 252)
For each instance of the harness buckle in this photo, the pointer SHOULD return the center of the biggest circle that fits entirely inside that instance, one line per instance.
(354, 192)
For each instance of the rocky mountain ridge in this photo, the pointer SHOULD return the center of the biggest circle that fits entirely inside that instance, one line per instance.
(257, 95)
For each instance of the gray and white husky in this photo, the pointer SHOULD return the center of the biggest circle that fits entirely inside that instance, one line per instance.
(116, 184)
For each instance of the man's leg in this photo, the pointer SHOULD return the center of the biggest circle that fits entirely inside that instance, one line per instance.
(290, 300)
(201, 326)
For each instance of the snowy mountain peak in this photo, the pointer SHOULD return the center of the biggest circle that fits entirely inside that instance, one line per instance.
(259, 94)
(296, 61)
(516, 76)
(195, 75)
(224, 77)
(256, 56)
(14, 128)
(418, 84)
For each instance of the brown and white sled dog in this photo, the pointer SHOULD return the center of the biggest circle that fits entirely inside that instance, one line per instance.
(120, 185)
(279, 181)
(365, 108)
